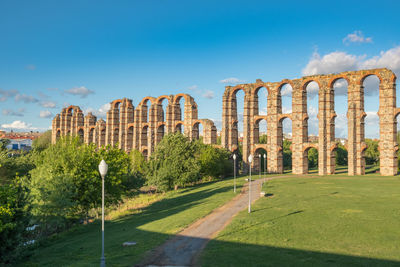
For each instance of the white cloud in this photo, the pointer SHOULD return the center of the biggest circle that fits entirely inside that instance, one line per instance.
(18, 125)
(331, 63)
(231, 80)
(356, 37)
(5, 94)
(341, 61)
(48, 104)
(79, 91)
(101, 112)
(45, 114)
(26, 98)
(19, 113)
(209, 94)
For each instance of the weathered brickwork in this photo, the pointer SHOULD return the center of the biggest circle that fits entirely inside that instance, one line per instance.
(141, 128)
(326, 116)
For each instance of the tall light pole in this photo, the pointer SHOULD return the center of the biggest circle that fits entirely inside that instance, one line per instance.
(234, 173)
(260, 163)
(250, 160)
(265, 166)
(103, 168)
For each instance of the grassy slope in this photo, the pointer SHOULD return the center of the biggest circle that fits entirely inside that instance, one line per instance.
(149, 227)
(313, 222)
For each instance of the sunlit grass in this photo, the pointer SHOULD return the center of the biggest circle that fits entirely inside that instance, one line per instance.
(148, 219)
(315, 221)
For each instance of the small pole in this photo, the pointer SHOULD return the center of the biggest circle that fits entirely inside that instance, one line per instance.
(234, 173)
(250, 160)
(265, 167)
(103, 260)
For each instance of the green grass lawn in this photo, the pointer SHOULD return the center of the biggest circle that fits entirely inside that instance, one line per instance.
(149, 226)
(315, 221)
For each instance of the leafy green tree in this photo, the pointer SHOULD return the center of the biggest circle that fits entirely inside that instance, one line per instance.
(287, 154)
(42, 142)
(214, 161)
(312, 158)
(173, 163)
(66, 183)
(372, 152)
(341, 155)
(14, 218)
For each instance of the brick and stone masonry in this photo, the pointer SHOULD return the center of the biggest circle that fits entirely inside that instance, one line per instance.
(326, 121)
(143, 128)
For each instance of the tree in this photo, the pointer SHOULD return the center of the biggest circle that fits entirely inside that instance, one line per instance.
(14, 218)
(372, 152)
(263, 139)
(42, 142)
(214, 161)
(66, 184)
(341, 155)
(287, 154)
(173, 163)
(312, 158)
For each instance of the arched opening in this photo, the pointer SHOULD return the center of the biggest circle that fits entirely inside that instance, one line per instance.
(164, 103)
(312, 90)
(180, 128)
(312, 155)
(261, 157)
(160, 133)
(198, 131)
(116, 136)
(58, 134)
(262, 126)
(260, 129)
(103, 137)
(286, 143)
(129, 141)
(371, 123)
(80, 135)
(340, 89)
(91, 135)
(143, 138)
(181, 103)
(237, 127)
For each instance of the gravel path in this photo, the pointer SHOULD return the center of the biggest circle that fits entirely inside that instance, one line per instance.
(184, 248)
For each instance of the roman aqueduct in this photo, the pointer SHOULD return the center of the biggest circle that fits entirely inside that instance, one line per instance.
(143, 128)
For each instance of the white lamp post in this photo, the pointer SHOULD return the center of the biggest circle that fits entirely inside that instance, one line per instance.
(265, 166)
(260, 163)
(234, 173)
(250, 160)
(103, 168)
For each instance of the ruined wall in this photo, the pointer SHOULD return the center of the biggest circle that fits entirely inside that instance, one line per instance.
(326, 118)
(141, 128)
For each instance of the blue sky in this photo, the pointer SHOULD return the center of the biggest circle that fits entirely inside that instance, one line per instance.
(88, 53)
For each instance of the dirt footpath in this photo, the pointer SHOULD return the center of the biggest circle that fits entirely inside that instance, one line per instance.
(184, 248)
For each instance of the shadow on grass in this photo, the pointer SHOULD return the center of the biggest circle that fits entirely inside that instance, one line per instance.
(220, 253)
(81, 245)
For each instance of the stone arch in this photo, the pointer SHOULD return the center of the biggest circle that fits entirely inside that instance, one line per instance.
(160, 132)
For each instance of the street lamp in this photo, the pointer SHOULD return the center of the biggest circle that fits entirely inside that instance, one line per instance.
(260, 163)
(250, 160)
(265, 166)
(103, 168)
(234, 173)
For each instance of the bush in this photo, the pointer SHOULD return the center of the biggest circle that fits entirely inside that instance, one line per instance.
(173, 163)
(14, 218)
(214, 162)
(66, 183)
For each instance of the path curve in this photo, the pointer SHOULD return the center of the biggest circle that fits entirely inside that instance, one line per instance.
(184, 248)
